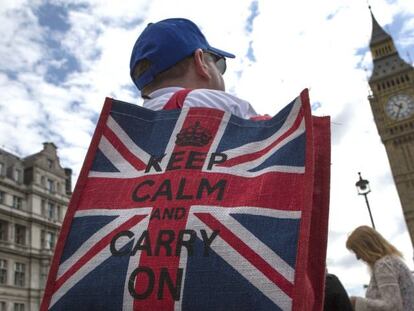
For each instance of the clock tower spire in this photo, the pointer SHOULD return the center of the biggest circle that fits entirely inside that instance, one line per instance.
(392, 104)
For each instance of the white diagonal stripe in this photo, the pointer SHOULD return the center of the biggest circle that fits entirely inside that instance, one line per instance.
(125, 212)
(251, 210)
(80, 274)
(245, 166)
(259, 145)
(86, 269)
(127, 141)
(100, 234)
(222, 127)
(245, 268)
(257, 246)
(118, 175)
(273, 169)
(114, 156)
(273, 259)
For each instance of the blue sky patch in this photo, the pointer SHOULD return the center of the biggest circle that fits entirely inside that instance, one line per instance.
(254, 12)
(250, 52)
(401, 39)
(55, 21)
(316, 106)
(58, 74)
(53, 17)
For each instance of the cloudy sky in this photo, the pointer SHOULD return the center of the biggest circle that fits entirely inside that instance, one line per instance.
(59, 59)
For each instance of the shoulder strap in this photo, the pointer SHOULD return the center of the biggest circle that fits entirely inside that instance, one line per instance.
(177, 100)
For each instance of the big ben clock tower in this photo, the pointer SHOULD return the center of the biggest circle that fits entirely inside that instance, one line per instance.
(392, 104)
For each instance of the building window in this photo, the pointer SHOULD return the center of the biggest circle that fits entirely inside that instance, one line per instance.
(2, 196)
(44, 270)
(49, 240)
(4, 230)
(19, 274)
(3, 306)
(1, 168)
(18, 306)
(43, 181)
(17, 175)
(51, 211)
(17, 202)
(50, 185)
(43, 206)
(59, 210)
(20, 234)
(50, 163)
(3, 271)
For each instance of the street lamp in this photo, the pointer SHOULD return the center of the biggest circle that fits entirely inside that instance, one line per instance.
(363, 189)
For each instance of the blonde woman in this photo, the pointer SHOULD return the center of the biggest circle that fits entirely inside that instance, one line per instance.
(392, 284)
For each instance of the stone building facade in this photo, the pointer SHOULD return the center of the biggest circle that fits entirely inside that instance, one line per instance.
(34, 195)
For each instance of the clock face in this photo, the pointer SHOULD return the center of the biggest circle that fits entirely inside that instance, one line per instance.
(400, 107)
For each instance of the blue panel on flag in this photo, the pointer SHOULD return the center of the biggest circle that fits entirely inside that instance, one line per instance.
(102, 164)
(284, 238)
(101, 289)
(212, 284)
(151, 136)
(291, 154)
(240, 131)
(82, 228)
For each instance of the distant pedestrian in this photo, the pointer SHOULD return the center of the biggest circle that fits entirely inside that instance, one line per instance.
(336, 297)
(392, 285)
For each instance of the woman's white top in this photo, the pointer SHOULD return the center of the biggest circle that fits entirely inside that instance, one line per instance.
(391, 287)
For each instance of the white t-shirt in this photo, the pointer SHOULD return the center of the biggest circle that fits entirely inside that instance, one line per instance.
(202, 98)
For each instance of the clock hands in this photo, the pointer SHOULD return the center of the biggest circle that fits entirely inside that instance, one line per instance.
(399, 109)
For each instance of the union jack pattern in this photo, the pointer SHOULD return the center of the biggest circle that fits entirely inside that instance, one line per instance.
(194, 209)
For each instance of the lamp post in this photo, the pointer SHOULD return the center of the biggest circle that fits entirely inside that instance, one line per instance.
(363, 189)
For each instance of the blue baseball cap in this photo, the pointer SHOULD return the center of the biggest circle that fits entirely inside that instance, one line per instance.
(164, 44)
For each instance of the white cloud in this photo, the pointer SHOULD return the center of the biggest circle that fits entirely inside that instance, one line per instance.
(19, 40)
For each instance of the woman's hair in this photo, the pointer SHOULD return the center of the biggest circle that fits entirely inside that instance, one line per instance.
(369, 245)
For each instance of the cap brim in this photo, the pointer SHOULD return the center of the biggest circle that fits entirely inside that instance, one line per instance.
(221, 52)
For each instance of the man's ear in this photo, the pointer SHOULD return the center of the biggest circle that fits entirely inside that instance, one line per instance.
(200, 64)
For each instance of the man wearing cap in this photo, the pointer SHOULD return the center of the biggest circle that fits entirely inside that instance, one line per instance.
(172, 57)
(174, 66)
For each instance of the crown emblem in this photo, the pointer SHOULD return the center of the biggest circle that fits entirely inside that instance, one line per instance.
(194, 135)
